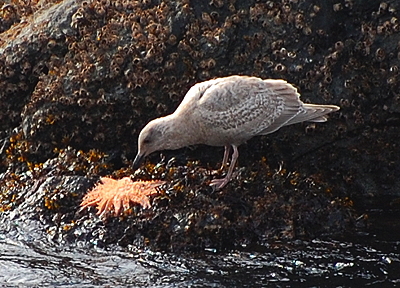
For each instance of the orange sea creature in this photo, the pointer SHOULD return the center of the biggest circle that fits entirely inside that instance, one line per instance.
(115, 196)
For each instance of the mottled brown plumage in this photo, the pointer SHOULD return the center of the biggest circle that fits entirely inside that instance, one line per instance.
(227, 112)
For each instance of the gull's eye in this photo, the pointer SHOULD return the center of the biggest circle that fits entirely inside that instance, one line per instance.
(146, 141)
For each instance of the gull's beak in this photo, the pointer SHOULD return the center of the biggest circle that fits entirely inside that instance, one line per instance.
(137, 161)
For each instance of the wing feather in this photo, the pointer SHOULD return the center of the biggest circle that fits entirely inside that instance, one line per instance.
(249, 104)
(236, 108)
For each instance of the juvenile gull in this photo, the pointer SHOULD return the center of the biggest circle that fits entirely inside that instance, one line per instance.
(227, 112)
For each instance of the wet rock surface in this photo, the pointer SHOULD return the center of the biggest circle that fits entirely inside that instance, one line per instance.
(80, 79)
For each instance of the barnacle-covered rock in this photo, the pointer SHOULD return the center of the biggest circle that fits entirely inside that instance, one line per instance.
(79, 79)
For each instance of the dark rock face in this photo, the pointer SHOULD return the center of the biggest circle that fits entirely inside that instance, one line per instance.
(82, 78)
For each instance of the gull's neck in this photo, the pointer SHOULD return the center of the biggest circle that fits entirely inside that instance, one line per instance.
(182, 130)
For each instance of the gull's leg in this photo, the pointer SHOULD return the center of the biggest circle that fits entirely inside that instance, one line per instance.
(220, 183)
(226, 155)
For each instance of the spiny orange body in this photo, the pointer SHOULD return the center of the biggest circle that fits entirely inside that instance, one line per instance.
(115, 196)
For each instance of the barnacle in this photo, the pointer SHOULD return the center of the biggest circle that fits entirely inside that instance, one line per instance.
(115, 196)
(380, 54)
(280, 68)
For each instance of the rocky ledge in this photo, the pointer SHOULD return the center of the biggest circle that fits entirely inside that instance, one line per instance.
(79, 79)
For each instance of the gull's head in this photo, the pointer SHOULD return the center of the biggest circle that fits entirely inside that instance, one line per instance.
(157, 135)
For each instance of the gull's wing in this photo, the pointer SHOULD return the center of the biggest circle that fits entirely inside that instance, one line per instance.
(248, 105)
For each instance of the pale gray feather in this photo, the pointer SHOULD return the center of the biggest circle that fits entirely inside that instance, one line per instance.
(236, 108)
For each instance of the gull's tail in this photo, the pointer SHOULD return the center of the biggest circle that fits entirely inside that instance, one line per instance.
(313, 113)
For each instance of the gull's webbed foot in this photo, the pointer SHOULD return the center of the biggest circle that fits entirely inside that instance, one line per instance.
(219, 183)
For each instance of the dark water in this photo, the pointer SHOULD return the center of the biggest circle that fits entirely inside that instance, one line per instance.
(371, 259)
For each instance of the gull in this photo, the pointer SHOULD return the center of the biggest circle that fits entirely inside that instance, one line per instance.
(227, 112)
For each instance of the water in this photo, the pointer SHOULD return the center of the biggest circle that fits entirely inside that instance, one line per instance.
(303, 264)
(371, 258)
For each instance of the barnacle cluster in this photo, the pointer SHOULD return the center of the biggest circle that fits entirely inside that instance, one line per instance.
(189, 216)
(81, 84)
(12, 13)
(121, 63)
(19, 71)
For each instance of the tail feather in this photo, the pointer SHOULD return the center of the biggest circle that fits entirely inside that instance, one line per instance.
(313, 113)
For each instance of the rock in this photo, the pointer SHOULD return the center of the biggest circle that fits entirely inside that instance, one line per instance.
(89, 75)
